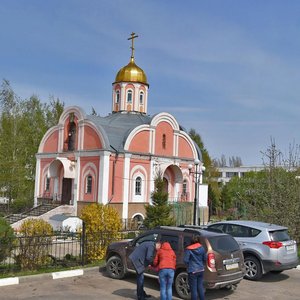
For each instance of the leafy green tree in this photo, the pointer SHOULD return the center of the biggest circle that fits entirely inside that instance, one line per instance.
(211, 173)
(7, 238)
(158, 214)
(272, 195)
(23, 123)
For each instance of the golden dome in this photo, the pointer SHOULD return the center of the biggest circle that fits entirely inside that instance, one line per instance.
(131, 73)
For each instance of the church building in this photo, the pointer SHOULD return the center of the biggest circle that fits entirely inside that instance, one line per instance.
(115, 159)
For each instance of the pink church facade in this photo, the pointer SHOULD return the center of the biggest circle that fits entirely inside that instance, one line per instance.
(114, 160)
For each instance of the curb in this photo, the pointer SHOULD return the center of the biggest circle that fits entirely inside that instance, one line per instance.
(47, 276)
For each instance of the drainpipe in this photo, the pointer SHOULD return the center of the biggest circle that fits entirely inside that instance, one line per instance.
(113, 172)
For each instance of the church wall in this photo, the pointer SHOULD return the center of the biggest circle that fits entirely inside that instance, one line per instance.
(133, 208)
(169, 174)
(140, 143)
(164, 147)
(43, 175)
(184, 148)
(89, 167)
(91, 139)
(115, 192)
(51, 144)
(141, 168)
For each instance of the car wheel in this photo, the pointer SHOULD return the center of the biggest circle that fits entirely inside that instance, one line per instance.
(182, 285)
(253, 268)
(115, 267)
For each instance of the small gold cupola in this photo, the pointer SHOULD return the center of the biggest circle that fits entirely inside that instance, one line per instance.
(131, 73)
(130, 89)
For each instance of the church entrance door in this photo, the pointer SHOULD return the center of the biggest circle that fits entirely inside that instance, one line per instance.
(66, 191)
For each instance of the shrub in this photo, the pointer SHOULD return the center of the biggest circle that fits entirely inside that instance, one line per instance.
(102, 225)
(7, 238)
(35, 244)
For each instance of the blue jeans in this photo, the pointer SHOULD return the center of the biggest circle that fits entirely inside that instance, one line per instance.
(196, 285)
(166, 277)
(140, 286)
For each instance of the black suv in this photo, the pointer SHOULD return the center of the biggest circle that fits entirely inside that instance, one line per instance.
(225, 263)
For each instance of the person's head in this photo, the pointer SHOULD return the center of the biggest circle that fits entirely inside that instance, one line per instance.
(196, 239)
(157, 245)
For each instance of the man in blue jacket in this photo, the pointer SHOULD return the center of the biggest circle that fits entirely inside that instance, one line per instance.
(141, 257)
(195, 260)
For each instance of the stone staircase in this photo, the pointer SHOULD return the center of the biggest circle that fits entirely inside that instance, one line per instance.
(34, 212)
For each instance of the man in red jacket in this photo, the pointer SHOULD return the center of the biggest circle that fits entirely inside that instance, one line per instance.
(165, 259)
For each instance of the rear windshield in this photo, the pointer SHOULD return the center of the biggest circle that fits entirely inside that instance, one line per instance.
(223, 243)
(279, 235)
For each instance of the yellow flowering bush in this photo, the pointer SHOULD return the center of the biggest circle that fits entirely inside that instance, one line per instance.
(102, 226)
(34, 244)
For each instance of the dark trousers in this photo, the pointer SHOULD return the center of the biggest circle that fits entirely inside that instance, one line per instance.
(196, 285)
(140, 286)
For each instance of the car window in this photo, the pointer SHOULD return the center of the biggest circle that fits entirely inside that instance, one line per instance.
(145, 238)
(253, 232)
(218, 227)
(279, 235)
(223, 243)
(173, 240)
(241, 231)
(238, 230)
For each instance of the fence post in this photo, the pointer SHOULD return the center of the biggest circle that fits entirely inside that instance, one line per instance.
(82, 243)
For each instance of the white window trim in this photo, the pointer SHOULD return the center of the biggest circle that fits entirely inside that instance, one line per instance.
(127, 93)
(117, 100)
(141, 197)
(143, 98)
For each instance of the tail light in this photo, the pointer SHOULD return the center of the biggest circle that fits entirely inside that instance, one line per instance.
(211, 261)
(273, 245)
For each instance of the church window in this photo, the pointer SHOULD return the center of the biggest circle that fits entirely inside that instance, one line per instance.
(72, 136)
(138, 186)
(184, 187)
(117, 96)
(89, 183)
(164, 141)
(129, 96)
(47, 188)
(141, 98)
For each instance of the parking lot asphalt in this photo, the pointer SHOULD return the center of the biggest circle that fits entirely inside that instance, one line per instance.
(94, 283)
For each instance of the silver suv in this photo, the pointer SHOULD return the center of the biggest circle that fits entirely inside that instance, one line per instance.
(266, 247)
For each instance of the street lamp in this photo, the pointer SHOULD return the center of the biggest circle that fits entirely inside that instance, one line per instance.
(197, 172)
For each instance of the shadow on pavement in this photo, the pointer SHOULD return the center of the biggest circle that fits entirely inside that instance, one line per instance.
(125, 293)
(274, 277)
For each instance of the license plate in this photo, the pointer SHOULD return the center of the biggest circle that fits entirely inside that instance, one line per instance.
(232, 266)
(290, 248)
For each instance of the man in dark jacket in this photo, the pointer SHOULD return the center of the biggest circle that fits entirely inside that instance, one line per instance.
(195, 259)
(142, 257)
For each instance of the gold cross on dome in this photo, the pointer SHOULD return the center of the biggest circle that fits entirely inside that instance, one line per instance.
(133, 36)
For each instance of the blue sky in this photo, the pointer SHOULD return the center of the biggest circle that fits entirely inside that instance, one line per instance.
(230, 69)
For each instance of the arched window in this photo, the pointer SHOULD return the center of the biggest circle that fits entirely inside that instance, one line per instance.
(141, 97)
(89, 184)
(47, 186)
(72, 136)
(117, 96)
(184, 187)
(129, 96)
(138, 186)
(164, 141)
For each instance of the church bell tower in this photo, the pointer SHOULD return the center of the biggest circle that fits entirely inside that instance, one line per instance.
(130, 89)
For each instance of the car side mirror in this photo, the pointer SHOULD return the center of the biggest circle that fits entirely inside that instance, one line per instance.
(131, 243)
